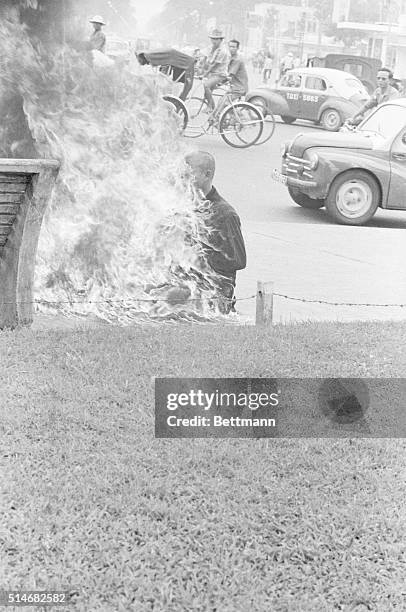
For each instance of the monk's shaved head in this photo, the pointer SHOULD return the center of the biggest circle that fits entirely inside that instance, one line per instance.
(202, 165)
(201, 159)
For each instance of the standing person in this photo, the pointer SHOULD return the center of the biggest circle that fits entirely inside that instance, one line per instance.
(268, 67)
(382, 93)
(261, 61)
(286, 63)
(97, 41)
(222, 241)
(215, 72)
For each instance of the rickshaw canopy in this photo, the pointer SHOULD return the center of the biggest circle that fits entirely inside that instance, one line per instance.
(179, 65)
(168, 57)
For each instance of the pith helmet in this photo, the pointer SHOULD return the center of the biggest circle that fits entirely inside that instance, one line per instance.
(216, 33)
(97, 19)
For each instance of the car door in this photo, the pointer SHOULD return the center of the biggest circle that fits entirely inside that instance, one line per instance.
(290, 89)
(314, 94)
(397, 185)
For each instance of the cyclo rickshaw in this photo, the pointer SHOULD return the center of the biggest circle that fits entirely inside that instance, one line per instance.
(178, 66)
(239, 123)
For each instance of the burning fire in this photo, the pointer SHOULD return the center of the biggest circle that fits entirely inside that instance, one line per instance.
(121, 237)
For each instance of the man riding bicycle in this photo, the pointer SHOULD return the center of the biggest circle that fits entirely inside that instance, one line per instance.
(237, 78)
(237, 72)
(215, 72)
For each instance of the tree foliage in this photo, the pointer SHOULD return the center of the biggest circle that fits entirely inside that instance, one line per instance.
(174, 21)
(323, 10)
(46, 17)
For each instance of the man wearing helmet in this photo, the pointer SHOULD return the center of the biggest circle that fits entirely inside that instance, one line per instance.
(97, 41)
(215, 72)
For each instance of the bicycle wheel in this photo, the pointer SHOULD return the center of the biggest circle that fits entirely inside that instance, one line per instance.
(241, 125)
(268, 128)
(180, 110)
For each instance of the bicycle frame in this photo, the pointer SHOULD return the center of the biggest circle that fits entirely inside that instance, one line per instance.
(240, 124)
(213, 119)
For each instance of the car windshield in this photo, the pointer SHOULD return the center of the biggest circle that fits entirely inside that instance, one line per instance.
(354, 84)
(385, 121)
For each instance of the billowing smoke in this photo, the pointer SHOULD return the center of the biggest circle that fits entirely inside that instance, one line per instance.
(121, 237)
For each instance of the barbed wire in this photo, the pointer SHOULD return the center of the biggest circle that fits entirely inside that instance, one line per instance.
(174, 301)
(310, 301)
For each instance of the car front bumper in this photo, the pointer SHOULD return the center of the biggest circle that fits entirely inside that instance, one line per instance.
(296, 182)
(284, 179)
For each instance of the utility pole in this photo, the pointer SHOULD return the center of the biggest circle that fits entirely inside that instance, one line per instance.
(385, 53)
(302, 25)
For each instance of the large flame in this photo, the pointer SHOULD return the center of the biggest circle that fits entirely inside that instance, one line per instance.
(121, 237)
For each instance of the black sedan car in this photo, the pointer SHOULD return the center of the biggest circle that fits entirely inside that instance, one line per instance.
(352, 174)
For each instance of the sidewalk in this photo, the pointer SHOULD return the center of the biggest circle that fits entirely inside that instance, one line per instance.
(331, 264)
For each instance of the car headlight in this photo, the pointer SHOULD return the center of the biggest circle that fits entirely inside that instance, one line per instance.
(314, 161)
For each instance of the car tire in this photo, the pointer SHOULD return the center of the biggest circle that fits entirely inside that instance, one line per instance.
(331, 120)
(353, 198)
(304, 200)
(260, 103)
(288, 119)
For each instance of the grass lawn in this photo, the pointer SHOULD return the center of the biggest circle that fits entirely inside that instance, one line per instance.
(91, 502)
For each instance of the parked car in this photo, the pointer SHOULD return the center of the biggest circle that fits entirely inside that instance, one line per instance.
(364, 68)
(323, 95)
(352, 174)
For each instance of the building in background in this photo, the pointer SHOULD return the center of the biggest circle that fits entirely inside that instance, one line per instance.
(282, 28)
(341, 10)
(384, 40)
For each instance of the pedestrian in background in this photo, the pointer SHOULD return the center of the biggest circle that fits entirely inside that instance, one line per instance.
(286, 63)
(268, 65)
(97, 41)
(261, 61)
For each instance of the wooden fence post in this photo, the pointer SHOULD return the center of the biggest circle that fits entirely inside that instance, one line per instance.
(264, 303)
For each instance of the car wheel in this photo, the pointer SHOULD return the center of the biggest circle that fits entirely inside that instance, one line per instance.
(353, 198)
(288, 119)
(260, 103)
(304, 200)
(331, 120)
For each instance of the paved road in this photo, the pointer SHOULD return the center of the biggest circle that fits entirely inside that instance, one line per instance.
(304, 253)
